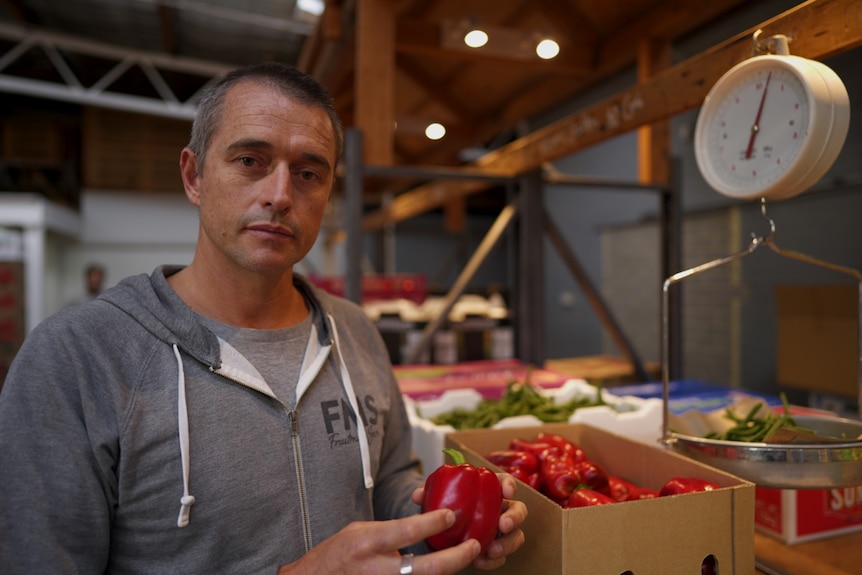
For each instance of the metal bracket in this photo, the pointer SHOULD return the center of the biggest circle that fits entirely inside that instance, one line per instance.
(776, 44)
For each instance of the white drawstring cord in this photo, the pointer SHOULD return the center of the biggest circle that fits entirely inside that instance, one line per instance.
(351, 396)
(186, 501)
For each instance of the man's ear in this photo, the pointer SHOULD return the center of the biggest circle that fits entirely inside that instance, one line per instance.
(191, 175)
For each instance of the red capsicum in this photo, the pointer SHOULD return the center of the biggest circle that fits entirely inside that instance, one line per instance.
(563, 443)
(558, 475)
(537, 448)
(622, 490)
(473, 493)
(592, 475)
(534, 480)
(586, 497)
(678, 485)
(521, 465)
(509, 459)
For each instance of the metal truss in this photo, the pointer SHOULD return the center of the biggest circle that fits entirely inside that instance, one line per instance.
(58, 51)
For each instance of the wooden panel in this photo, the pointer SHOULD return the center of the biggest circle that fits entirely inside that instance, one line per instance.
(32, 138)
(819, 29)
(375, 79)
(653, 139)
(124, 151)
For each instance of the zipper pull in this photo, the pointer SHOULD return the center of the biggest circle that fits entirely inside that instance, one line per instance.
(294, 426)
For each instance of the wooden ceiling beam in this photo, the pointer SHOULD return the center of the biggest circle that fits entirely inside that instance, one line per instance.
(613, 56)
(568, 21)
(674, 18)
(435, 89)
(23, 13)
(654, 164)
(329, 53)
(426, 38)
(167, 23)
(374, 80)
(818, 29)
(667, 22)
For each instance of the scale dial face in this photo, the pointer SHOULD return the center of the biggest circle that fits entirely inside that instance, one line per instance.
(770, 127)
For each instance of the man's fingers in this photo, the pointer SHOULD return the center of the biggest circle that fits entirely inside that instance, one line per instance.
(402, 533)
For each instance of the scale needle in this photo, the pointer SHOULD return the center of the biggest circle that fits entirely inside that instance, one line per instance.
(755, 128)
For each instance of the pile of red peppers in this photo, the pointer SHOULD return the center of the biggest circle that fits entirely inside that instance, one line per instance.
(559, 468)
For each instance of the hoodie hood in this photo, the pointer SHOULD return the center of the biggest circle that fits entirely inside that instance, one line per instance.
(154, 304)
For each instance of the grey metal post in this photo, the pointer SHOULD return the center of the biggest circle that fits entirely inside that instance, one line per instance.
(353, 176)
(530, 319)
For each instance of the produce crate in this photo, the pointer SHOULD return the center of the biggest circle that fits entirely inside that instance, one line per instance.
(795, 516)
(602, 369)
(663, 536)
(489, 377)
(634, 417)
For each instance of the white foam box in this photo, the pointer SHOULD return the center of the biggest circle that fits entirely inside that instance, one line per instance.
(671, 535)
(634, 417)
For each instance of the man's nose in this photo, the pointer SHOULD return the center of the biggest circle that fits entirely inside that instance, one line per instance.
(280, 189)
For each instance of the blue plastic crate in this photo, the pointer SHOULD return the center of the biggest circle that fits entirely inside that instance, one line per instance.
(692, 394)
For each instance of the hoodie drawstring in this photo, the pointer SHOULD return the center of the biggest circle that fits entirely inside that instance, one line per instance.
(351, 396)
(186, 501)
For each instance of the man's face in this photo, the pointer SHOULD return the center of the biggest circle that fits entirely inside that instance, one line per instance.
(268, 175)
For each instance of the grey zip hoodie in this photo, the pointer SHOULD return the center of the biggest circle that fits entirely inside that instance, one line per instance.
(134, 440)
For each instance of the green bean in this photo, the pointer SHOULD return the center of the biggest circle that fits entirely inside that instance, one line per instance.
(518, 399)
(754, 429)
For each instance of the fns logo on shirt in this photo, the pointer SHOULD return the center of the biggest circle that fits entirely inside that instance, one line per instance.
(340, 420)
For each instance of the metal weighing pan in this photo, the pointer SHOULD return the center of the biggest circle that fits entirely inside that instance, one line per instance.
(775, 465)
(785, 466)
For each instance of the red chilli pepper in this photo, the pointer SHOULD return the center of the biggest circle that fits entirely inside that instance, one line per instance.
(679, 485)
(473, 493)
(558, 474)
(592, 475)
(564, 443)
(510, 459)
(537, 448)
(585, 497)
(531, 479)
(622, 490)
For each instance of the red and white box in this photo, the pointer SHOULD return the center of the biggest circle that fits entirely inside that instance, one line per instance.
(798, 515)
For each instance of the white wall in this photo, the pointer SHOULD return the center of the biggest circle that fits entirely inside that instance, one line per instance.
(131, 233)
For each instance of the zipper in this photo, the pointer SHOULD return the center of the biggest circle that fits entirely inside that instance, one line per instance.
(300, 475)
(300, 479)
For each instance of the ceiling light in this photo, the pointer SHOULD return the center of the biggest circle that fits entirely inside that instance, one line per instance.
(547, 49)
(435, 131)
(476, 38)
(314, 7)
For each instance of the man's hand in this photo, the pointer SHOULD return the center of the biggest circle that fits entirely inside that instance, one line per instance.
(372, 547)
(511, 537)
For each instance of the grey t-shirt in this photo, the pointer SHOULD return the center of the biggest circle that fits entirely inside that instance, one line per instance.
(276, 353)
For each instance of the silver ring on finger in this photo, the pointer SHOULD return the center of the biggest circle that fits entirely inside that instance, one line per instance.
(406, 564)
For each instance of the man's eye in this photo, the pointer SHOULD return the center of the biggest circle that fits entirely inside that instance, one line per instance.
(247, 161)
(307, 175)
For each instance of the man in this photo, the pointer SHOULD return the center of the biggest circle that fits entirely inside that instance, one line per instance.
(225, 417)
(94, 280)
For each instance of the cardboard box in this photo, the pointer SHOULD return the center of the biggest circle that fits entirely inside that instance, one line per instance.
(662, 536)
(818, 337)
(795, 516)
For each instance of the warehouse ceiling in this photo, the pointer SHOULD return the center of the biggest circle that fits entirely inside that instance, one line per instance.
(153, 56)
